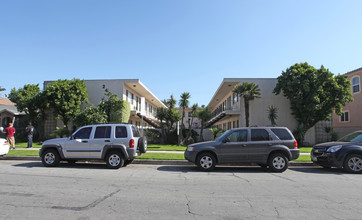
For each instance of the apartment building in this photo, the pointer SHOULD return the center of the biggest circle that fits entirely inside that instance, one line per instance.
(228, 110)
(143, 102)
(351, 119)
(189, 119)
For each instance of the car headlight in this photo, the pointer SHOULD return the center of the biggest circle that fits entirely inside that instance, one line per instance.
(334, 148)
(190, 149)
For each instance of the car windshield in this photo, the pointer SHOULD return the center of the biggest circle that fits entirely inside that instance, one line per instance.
(354, 137)
(223, 136)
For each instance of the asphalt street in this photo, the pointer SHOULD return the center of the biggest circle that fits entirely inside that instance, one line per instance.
(92, 191)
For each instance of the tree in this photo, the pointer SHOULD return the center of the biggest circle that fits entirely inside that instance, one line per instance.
(313, 94)
(65, 97)
(117, 110)
(30, 101)
(2, 89)
(249, 91)
(168, 117)
(91, 115)
(215, 130)
(273, 114)
(193, 113)
(204, 115)
(184, 103)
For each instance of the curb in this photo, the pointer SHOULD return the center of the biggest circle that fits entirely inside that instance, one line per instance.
(151, 162)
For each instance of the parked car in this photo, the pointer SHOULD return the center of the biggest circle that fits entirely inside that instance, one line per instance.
(271, 147)
(345, 153)
(4, 146)
(116, 144)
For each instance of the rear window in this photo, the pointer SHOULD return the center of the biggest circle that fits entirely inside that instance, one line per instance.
(259, 135)
(135, 131)
(102, 132)
(282, 134)
(121, 132)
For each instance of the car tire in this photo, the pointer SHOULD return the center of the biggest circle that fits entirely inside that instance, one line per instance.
(142, 144)
(206, 161)
(50, 158)
(127, 162)
(353, 163)
(278, 162)
(114, 160)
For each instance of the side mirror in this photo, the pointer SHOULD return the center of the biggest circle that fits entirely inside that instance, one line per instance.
(71, 137)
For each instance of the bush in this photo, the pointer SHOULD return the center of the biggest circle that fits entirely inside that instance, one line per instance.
(153, 136)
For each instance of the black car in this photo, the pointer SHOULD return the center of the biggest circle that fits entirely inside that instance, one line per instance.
(266, 146)
(345, 153)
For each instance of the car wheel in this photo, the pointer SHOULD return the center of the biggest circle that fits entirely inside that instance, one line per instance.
(206, 161)
(142, 144)
(353, 163)
(127, 162)
(278, 162)
(114, 160)
(50, 158)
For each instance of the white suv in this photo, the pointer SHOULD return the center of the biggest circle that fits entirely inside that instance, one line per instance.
(116, 144)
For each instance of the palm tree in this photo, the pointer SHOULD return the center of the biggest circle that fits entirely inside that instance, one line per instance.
(184, 103)
(273, 114)
(193, 112)
(2, 89)
(204, 115)
(215, 130)
(249, 91)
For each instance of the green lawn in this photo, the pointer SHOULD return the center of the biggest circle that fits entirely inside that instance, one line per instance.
(303, 158)
(162, 156)
(25, 144)
(23, 153)
(305, 149)
(159, 147)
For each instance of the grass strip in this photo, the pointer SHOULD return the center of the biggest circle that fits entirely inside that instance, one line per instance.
(305, 149)
(23, 153)
(159, 147)
(161, 156)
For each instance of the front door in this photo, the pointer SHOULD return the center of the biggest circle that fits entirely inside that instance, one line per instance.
(234, 147)
(102, 137)
(78, 145)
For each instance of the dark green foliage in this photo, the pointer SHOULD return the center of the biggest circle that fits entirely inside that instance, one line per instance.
(65, 98)
(28, 100)
(91, 115)
(153, 136)
(117, 110)
(168, 118)
(313, 94)
(172, 137)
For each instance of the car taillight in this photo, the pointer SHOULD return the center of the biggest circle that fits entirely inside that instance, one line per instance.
(295, 144)
(131, 143)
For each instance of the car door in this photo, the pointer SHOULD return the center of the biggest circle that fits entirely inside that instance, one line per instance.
(101, 138)
(78, 144)
(233, 147)
(260, 140)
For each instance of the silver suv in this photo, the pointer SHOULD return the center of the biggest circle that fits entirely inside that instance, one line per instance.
(266, 146)
(116, 144)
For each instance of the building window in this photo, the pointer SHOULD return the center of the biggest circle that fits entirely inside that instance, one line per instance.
(355, 84)
(345, 117)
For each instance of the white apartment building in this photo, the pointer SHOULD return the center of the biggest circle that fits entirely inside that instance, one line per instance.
(228, 110)
(143, 102)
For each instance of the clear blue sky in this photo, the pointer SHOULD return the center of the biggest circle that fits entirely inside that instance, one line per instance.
(174, 46)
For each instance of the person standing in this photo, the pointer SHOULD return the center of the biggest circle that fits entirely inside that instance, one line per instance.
(30, 131)
(10, 131)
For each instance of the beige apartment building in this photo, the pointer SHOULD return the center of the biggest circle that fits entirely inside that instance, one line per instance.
(143, 102)
(194, 121)
(351, 119)
(228, 110)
